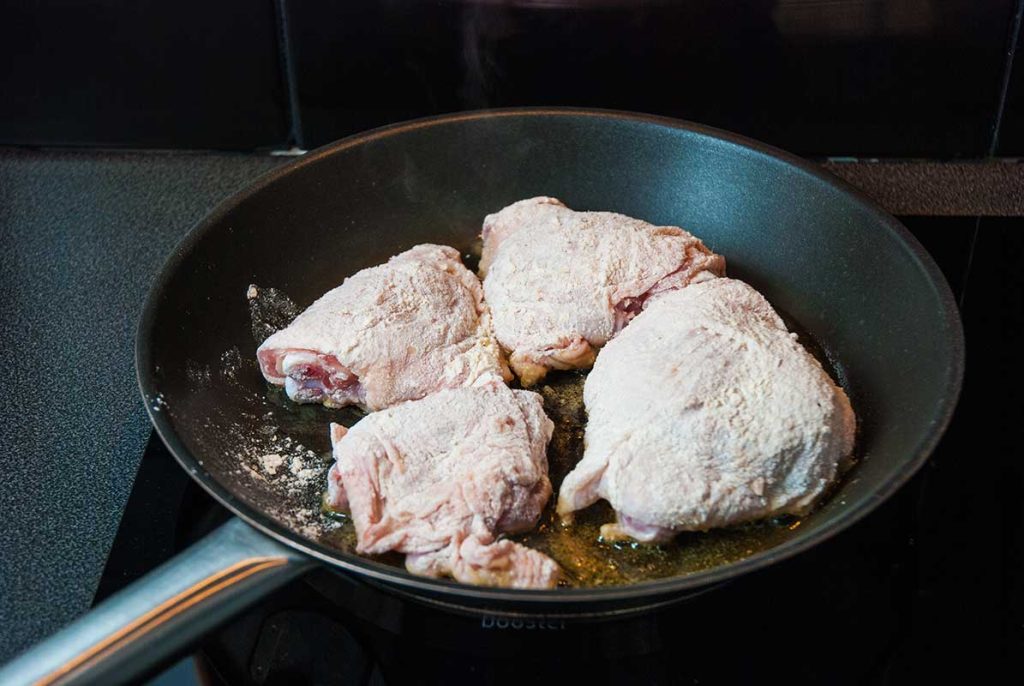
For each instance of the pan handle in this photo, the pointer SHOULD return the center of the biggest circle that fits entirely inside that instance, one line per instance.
(162, 613)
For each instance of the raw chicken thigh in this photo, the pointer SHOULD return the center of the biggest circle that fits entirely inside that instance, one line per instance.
(390, 333)
(561, 283)
(706, 412)
(440, 478)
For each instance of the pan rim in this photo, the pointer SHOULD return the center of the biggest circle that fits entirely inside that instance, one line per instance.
(350, 562)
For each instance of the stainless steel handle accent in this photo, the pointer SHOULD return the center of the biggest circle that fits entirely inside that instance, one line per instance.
(162, 612)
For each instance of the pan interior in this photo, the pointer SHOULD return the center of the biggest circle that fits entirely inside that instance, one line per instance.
(852, 279)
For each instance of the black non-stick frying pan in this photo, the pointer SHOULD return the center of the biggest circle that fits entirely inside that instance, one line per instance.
(853, 278)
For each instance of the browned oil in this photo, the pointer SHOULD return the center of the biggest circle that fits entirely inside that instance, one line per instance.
(585, 559)
(589, 561)
(343, 535)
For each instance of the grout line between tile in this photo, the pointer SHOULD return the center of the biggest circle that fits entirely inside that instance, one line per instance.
(1004, 89)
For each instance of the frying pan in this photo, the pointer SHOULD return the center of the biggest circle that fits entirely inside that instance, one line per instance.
(851, 275)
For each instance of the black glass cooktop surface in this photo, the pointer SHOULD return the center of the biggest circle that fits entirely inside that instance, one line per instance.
(926, 585)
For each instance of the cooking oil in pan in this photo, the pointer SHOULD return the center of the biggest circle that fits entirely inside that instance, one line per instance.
(586, 560)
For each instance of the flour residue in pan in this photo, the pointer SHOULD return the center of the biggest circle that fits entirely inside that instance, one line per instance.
(289, 455)
(279, 450)
(270, 311)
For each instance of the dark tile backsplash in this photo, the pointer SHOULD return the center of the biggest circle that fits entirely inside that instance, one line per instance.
(885, 78)
(148, 73)
(361, 64)
(898, 78)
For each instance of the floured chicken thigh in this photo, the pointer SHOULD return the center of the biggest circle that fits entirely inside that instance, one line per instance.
(390, 333)
(561, 283)
(439, 479)
(704, 412)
